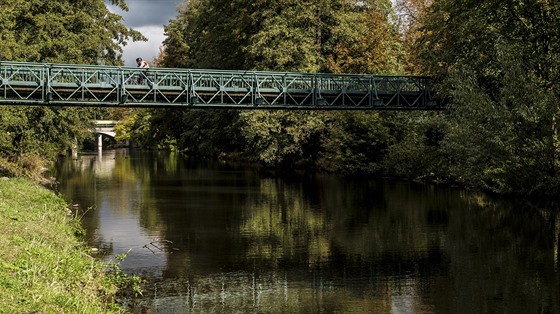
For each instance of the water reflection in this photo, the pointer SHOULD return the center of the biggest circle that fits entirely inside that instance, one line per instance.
(216, 237)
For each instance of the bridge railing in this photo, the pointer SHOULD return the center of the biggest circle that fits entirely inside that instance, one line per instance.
(83, 85)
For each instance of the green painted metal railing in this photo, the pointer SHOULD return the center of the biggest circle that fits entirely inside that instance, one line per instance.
(93, 85)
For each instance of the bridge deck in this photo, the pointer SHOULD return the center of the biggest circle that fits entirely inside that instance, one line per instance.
(90, 85)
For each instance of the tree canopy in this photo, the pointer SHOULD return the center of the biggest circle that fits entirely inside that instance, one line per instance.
(58, 31)
(290, 35)
(64, 31)
(499, 63)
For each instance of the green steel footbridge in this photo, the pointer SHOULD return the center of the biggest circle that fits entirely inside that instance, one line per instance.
(47, 84)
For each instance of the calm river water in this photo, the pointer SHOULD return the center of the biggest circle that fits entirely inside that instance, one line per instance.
(217, 238)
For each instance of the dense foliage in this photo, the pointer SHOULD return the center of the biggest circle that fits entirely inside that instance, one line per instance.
(499, 66)
(61, 31)
(496, 61)
(292, 35)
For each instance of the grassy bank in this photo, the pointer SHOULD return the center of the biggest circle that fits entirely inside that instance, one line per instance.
(44, 266)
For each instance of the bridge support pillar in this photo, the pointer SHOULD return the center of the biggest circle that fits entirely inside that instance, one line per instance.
(99, 139)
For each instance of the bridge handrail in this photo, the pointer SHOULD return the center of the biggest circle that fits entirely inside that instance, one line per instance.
(192, 70)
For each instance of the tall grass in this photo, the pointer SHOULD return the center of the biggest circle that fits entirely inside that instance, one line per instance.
(44, 265)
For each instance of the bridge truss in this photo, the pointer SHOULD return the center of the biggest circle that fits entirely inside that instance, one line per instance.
(23, 83)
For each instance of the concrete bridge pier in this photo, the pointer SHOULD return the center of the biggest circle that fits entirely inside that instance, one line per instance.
(99, 140)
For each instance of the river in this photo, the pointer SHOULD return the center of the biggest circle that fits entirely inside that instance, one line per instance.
(213, 237)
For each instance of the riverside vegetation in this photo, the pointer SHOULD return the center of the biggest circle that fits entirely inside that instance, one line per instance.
(496, 62)
(45, 266)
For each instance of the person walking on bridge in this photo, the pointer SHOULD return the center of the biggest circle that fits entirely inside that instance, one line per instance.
(142, 64)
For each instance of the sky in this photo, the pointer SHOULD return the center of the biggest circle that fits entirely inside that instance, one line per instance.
(147, 17)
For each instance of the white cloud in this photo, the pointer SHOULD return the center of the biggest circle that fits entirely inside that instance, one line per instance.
(147, 50)
(147, 17)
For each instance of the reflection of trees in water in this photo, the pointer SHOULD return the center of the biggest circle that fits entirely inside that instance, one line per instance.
(498, 252)
(328, 244)
(270, 292)
(360, 222)
(352, 238)
(280, 225)
(110, 178)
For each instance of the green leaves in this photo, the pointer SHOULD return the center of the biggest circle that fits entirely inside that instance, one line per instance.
(287, 35)
(61, 31)
(357, 143)
(202, 36)
(499, 64)
(284, 137)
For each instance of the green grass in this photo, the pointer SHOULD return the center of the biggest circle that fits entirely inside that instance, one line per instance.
(44, 264)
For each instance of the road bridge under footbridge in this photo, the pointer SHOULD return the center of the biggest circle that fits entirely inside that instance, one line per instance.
(104, 128)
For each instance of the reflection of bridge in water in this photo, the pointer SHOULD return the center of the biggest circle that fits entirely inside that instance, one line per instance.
(103, 163)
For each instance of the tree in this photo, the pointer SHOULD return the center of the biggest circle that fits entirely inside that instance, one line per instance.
(290, 35)
(66, 31)
(328, 36)
(202, 36)
(283, 137)
(411, 15)
(499, 66)
(365, 40)
(357, 143)
(61, 31)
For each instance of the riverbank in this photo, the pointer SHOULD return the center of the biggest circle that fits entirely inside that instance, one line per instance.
(44, 265)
